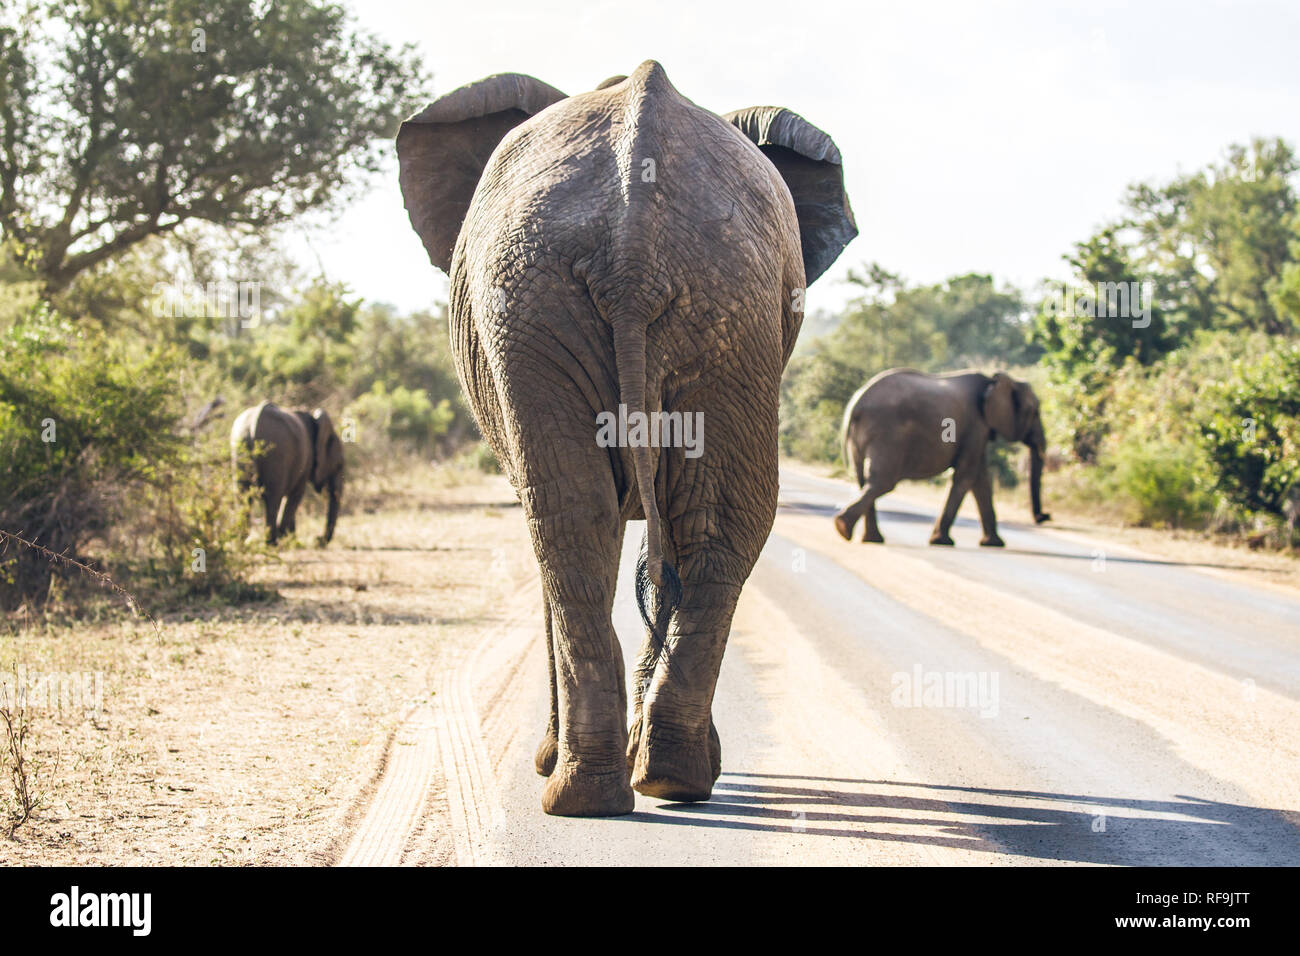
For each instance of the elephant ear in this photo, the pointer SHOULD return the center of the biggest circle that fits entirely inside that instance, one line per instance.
(443, 149)
(999, 406)
(809, 162)
(324, 432)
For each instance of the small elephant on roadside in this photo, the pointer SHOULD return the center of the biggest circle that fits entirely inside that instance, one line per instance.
(906, 424)
(295, 448)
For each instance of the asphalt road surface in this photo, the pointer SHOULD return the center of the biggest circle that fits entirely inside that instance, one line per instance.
(1061, 700)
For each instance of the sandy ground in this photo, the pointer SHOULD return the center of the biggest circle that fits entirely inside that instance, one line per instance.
(253, 734)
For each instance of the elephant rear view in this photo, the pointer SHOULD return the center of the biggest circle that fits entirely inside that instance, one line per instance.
(906, 424)
(625, 255)
(279, 452)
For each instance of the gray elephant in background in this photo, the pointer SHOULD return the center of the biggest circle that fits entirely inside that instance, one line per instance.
(297, 447)
(627, 250)
(906, 424)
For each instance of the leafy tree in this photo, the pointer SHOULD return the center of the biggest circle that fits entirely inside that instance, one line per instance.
(124, 120)
(962, 321)
(1218, 240)
(1080, 335)
(1284, 294)
(1253, 435)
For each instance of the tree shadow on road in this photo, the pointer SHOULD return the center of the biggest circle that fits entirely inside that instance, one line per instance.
(1070, 828)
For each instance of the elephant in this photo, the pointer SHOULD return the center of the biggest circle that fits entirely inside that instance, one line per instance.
(625, 251)
(908, 424)
(296, 447)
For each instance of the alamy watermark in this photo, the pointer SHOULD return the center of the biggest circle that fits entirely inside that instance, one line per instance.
(1104, 300)
(221, 300)
(67, 692)
(960, 689)
(651, 430)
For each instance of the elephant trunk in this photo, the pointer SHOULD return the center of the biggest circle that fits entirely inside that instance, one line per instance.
(1036, 483)
(336, 496)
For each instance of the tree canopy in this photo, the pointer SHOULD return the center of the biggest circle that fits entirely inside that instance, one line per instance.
(120, 121)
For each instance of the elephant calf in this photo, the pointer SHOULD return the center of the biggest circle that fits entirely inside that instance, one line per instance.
(295, 447)
(909, 424)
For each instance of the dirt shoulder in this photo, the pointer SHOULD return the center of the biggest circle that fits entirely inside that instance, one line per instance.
(249, 735)
(1270, 569)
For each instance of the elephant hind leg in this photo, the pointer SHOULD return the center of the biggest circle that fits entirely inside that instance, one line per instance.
(577, 538)
(716, 540)
(865, 506)
(271, 502)
(678, 754)
(872, 530)
(548, 749)
(289, 515)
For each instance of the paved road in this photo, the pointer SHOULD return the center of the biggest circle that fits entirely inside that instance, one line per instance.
(1058, 701)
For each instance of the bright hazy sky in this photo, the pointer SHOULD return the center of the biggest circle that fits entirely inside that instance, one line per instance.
(976, 136)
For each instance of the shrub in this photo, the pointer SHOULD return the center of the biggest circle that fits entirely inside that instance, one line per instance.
(1160, 484)
(190, 538)
(1252, 435)
(402, 415)
(482, 457)
(814, 392)
(79, 418)
(89, 434)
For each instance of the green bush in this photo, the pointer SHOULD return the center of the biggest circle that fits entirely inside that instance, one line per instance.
(402, 415)
(482, 457)
(1252, 435)
(1160, 484)
(191, 538)
(92, 449)
(79, 419)
(815, 390)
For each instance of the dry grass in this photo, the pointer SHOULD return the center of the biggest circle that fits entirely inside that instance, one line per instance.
(243, 735)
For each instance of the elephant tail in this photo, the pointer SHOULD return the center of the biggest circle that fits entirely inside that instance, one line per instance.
(852, 460)
(652, 569)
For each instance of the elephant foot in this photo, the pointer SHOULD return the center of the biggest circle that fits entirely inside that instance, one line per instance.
(715, 748)
(1041, 517)
(844, 527)
(992, 541)
(678, 771)
(547, 751)
(941, 539)
(570, 792)
(874, 537)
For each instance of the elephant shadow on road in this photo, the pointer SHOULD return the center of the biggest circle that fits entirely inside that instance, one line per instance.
(1069, 828)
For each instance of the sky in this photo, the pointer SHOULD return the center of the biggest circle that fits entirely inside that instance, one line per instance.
(977, 137)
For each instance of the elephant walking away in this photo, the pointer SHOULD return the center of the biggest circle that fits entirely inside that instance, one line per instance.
(295, 448)
(624, 252)
(907, 424)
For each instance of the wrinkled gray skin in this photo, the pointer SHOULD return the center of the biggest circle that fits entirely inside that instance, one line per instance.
(897, 425)
(582, 277)
(298, 447)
